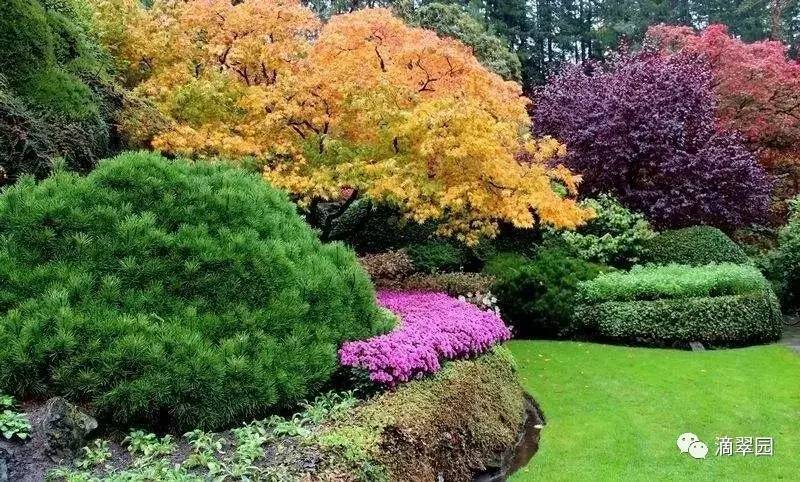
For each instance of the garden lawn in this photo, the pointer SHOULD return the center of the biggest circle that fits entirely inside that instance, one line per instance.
(615, 413)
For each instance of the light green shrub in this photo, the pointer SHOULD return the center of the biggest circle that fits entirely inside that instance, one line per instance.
(672, 282)
(616, 236)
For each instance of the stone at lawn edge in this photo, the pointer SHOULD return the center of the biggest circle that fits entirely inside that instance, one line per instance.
(65, 428)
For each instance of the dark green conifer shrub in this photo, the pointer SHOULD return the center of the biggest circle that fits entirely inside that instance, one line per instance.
(438, 256)
(171, 294)
(538, 298)
(26, 39)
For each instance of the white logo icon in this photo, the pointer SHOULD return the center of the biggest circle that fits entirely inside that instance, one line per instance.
(691, 444)
(698, 450)
(685, 440)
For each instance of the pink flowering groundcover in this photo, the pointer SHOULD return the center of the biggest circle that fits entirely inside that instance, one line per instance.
(434, 327)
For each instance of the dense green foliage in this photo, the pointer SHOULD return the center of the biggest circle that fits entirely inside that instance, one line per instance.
(438, 255)
(538, 298)
(695, 245)
(785, 264)
(505, 263)
(673, 281)
(723, 304)
(172, 294)
(26, 39)
(57, 97)
(720, 320)
(616, 236)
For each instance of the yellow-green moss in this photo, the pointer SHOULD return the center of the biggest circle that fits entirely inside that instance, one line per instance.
(452, 423)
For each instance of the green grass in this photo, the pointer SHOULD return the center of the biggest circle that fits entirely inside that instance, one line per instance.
(615, 413)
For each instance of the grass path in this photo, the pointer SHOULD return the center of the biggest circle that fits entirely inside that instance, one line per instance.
(614, 413)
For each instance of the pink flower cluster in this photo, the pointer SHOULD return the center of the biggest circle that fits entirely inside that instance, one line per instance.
(434, 327)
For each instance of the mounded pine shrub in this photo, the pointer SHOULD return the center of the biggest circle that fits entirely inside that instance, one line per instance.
(173, 294)
(695, 245)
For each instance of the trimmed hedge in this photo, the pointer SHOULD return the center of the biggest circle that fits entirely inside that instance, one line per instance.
(662, 305)
(722, 320)
(673, 281)
(695, 246)
(171, 294)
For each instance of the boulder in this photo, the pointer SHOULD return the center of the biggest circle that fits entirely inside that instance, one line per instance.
(58, 431)
(65, 428)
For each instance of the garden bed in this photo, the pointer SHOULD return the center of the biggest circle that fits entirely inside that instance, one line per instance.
(468, 420)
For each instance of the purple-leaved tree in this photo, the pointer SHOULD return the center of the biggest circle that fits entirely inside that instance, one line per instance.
(642, 129)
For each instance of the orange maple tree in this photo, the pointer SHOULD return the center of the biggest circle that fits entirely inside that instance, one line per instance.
(364, 104)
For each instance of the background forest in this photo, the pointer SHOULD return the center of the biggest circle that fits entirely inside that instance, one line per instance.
(543, 34)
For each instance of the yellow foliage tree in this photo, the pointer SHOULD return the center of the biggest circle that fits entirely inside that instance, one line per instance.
(363, 104)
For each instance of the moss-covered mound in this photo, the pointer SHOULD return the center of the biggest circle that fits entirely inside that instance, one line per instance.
(171, 294)
(452, 424)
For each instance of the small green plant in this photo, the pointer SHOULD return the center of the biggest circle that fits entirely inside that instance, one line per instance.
(94, 455)
(294, 427)
(328, 406)
(147, 447)
(206, 446)
(12, 422)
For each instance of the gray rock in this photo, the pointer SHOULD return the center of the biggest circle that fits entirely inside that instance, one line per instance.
(64, 427)
(5, 458)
